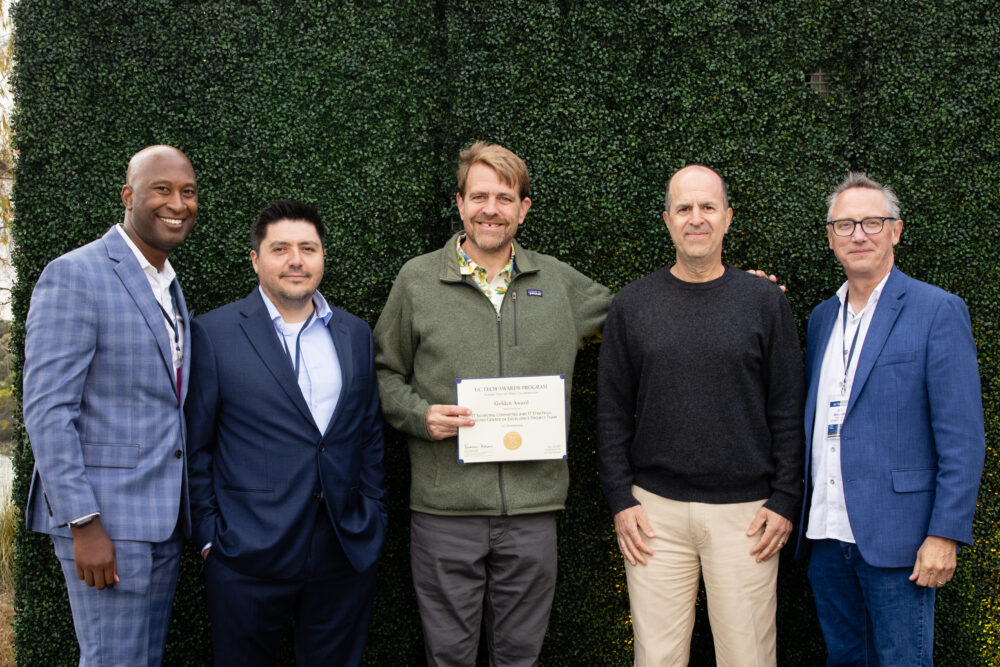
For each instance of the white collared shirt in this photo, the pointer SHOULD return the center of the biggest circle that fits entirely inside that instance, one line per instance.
(160, 282)
(320, 377)
(828, 511)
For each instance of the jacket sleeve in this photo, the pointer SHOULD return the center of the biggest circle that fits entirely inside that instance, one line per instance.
(785, 400)
(617, 383)
(402, 406)
(372, 474)
(956, 415)
(590, 302)
(201, 410)
(60, 344)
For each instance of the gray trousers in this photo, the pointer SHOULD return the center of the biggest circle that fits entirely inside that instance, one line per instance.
(474, 571)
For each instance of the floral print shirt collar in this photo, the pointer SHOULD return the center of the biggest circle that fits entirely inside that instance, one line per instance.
(495, 289)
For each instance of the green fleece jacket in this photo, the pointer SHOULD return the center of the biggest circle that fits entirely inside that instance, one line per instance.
(436, 327)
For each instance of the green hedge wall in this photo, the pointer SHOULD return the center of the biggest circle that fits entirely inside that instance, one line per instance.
(362, 107)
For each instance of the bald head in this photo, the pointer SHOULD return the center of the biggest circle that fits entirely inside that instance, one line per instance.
(141, 160)
(693, 170)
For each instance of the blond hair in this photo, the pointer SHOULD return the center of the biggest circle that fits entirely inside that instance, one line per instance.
(509, 167)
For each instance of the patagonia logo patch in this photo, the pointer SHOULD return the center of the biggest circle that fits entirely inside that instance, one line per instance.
(534, 292)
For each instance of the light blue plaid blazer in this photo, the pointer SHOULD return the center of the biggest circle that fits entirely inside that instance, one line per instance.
(100, 398)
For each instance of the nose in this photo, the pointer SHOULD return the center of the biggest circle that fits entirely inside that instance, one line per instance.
(696, 215)
(490, 208)
(176, 201)
(858, 235)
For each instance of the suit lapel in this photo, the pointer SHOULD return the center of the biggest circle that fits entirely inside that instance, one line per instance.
(134, 279)
(816, 350)
(185, 318)
(259, 329)
(342, 342)
(890, 303)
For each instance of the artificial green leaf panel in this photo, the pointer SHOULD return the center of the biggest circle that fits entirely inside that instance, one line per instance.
(361, 108)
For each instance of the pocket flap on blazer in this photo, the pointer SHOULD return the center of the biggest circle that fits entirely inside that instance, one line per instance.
(916, 479)
(110, 456)
(895, 358)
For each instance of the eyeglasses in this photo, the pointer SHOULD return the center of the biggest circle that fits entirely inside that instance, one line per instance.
(847, 226)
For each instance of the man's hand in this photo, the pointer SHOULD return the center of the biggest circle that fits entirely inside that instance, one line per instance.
(761, 274)
(628, 524)
(94, 555)
(443, 420)
(776, 531)
(936, 562)
(205, 552)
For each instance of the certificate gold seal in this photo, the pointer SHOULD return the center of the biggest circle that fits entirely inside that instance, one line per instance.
(512, 440)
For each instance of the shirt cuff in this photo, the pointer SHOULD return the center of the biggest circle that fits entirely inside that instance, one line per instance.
(79, 520)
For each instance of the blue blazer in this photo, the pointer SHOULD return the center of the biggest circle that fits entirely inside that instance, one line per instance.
(100, 398)
(912, 442)
(258, 462)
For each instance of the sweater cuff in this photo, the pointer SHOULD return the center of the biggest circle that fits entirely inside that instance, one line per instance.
(784, 504)
(621, 499)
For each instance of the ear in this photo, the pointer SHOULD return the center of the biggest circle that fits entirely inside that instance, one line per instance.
(897, 230)
(127, 196)
(253, 261)
(666, 219)
(458, 200)
(729, 219)
(525, 205)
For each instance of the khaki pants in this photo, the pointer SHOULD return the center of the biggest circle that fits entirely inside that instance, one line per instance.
(695, 539)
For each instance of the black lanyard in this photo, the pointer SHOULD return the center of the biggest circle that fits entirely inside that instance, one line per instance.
(849, 356)
(175, 325)
(298, 349)
(172, 322)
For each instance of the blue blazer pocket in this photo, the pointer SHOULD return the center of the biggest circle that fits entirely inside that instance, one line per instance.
(110, 456)
(895, 358)
(914, 479)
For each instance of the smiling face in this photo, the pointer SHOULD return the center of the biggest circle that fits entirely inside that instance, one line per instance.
(491, 211)
(161, 201)
(289, 264)
(698, 219)
(864, 256)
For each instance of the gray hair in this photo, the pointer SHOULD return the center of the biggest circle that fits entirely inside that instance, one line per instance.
(859, 179)
(725, 190)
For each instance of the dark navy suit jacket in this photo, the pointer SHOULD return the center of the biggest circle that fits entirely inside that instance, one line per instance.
(258, 465)
(912, 442)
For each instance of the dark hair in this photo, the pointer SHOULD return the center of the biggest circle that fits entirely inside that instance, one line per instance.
(284, 209)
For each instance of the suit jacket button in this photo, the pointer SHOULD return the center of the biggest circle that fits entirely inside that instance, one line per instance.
(318, 495)
(178, 454)
(322, 448)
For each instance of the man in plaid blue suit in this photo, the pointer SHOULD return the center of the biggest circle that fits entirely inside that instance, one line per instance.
(105, 374)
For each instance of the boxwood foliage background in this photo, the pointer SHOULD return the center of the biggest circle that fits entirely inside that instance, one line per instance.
(362, 108)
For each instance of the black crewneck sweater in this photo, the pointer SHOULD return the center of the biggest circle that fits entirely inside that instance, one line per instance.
(700, 393)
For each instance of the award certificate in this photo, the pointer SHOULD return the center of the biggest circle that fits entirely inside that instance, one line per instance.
(517, 418)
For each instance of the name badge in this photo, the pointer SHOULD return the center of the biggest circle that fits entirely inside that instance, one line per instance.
(837, 408)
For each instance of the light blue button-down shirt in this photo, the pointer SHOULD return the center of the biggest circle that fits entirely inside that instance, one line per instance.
(320, 378)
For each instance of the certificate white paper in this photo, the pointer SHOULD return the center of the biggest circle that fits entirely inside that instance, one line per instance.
(517, 418)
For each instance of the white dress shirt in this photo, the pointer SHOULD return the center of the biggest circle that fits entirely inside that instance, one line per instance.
(828, 511)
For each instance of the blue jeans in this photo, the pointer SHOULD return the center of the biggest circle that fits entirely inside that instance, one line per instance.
(870, 615)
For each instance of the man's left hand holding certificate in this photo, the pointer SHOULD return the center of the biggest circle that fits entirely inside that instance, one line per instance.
(517, 418)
